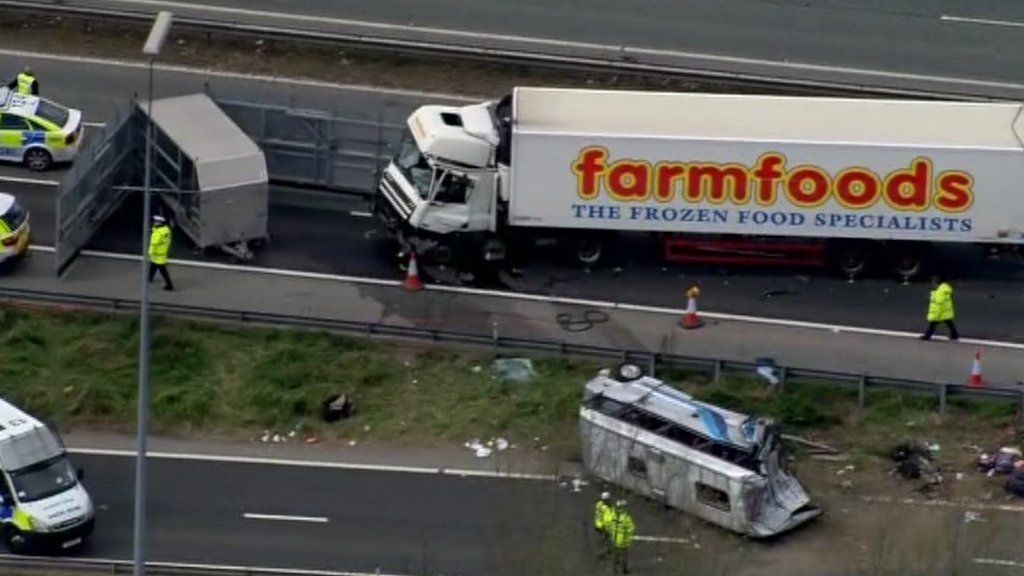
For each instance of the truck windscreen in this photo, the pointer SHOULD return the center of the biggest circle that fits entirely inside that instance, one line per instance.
(415, 167)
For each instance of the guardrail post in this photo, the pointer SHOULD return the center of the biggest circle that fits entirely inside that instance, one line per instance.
(942, 398)
(494, 338)
(717, 375)
(651, 365)
(862, 385)
(1020, 403)
(782, 378)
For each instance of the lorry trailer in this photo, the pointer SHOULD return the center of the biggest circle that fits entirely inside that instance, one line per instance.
(858, 184)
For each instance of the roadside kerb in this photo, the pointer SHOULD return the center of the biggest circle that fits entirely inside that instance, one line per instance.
(496, 342)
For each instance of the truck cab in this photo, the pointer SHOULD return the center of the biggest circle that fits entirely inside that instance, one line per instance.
(443, 183)
(43, 505)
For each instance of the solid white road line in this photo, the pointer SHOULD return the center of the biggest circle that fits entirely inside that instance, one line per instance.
(210, 72)
(662, 539)
(833, 328)
(944, 504)
(95, 124)
(984, 21)
(285, 518)
(182, 567)
(226, 459)
(23, 180)
(997, 562)
(402, 30)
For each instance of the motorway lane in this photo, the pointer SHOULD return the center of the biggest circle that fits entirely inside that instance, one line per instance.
(892, 37)
(989, 298)
(401, 523)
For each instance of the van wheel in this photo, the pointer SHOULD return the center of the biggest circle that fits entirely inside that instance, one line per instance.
(627, 372)
(14, 540)
(38, 159)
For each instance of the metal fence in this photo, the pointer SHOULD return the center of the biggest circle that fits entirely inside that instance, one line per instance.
(320, 148)
(715, 368)
(92, 188)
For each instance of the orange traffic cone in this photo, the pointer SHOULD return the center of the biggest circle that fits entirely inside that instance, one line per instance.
(412, 278)
(690, 318)
(976, 379)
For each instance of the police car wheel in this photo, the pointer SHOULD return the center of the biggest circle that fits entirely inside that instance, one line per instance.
(38, 159)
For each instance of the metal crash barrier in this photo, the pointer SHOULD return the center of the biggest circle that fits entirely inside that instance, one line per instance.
(94, 185)
(218, 203)
(320, 148)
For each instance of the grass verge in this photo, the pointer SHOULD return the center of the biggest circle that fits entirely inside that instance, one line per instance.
(80, 368)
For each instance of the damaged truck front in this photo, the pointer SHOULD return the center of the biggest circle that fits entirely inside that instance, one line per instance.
(724, 467)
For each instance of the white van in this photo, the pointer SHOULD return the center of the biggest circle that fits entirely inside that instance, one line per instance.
(43, 505)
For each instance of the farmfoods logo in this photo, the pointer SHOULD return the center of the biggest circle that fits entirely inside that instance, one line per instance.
(673, 186)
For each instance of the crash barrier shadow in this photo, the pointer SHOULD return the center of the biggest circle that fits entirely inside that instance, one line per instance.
(716, 368)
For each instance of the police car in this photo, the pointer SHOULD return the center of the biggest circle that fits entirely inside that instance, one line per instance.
(14, 230)
(36, 131)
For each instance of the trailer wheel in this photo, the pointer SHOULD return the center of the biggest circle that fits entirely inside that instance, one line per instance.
(907, 262)
(588, 251)
(852, 259)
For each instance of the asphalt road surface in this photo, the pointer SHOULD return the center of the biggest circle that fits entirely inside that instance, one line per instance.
(989, 293)
(345, 520)
(970, 47)
(348, 520)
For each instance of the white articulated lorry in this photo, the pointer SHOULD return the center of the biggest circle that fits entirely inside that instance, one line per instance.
(712, 178)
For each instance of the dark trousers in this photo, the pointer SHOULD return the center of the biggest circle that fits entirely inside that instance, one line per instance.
(620, 560)
(168, 285)
(953, 334)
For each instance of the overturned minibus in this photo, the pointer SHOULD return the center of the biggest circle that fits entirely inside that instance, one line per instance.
(639, 433)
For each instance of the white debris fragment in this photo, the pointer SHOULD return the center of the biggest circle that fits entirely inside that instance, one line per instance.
(972, 516)
(351, 442)
(577, 484)
(501, 444)
(478, 449)
(477, 369)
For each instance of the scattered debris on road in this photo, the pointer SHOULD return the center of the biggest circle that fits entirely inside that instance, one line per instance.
(337, 407)
(914, 461)
(514, 369)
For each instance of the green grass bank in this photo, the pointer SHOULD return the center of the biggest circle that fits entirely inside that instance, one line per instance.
(79, 369)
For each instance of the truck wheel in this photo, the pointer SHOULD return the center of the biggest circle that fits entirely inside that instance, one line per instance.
(14, 540)
(441, 255)
(852, 260)
(588, 251)
(907, 262)
(38, 159)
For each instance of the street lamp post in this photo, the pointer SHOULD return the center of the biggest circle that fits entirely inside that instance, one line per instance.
(155, 41)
